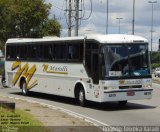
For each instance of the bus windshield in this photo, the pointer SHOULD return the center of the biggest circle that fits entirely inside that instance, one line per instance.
(125, 60)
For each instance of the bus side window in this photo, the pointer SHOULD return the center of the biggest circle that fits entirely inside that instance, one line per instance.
(75, 52)
(18, 53)
(61, 52)
(57, 51)
(41, 52)
(32, 53)
(35, 50)
(64, 52)
(50, 52)
(89, 56)
(8, 54)
(47, 52)
(11, 52)
(22, 52)
(95, 66)
(70, 54)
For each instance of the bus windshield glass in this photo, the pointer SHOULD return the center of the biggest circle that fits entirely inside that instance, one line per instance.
(125, 60)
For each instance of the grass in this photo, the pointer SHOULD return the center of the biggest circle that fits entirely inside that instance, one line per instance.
(20, 121)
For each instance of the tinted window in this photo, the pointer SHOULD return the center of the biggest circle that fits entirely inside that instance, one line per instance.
(61, 51)
(75, 51)
(90, 47)
(32, 52)
(11, 52)
(47, 51)
(21, 51)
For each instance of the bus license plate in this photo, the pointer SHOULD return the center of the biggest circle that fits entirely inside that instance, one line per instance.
(130, 93)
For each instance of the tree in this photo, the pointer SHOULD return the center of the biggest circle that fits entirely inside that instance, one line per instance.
(28, 15)
(155, 57)
(51, 28)
(5, 20)
(26, 18)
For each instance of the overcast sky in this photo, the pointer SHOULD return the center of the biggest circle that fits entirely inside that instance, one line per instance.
(117, 8)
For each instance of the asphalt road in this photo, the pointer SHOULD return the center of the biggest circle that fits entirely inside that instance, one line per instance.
(135, 113)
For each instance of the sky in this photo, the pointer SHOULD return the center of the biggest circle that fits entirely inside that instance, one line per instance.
(116, 9)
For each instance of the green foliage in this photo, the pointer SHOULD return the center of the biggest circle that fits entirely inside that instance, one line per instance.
(51, 28)
(155, 57)
(26, 18)
(20, 121)
(155, 65)
(5, 20)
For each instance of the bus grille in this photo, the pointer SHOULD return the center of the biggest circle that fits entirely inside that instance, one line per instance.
(131, 86)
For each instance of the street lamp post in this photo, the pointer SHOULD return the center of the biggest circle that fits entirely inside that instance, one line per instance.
(133, 17)
(152, 2)
(119, 19)
(107, 19)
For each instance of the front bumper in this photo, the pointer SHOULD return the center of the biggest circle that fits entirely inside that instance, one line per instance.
(120, 95)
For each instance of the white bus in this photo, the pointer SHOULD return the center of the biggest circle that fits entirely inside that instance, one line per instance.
(98, 68)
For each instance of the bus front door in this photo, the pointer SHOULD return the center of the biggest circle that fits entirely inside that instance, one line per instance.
(95, 66)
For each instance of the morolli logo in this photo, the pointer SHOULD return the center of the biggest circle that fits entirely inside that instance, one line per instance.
(24, 71)
(55, 69)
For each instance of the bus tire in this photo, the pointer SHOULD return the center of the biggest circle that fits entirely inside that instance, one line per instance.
(122, 103)
(24, 88)
(81, 97)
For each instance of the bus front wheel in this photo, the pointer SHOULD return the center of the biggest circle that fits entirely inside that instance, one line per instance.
(81, 97)
(24, 88)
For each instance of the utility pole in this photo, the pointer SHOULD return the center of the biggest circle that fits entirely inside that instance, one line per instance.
(119, 20)
(69, 12)
(152, 2)
(69, 18)
(159, 50)
(133, 17)
(107, 19)
(72, 9)
(76, 16)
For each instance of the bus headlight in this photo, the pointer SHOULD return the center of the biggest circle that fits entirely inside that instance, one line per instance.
(147, 83)
(147, 86)
(109, 87)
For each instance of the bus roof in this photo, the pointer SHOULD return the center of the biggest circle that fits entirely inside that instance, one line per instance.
(110, 38)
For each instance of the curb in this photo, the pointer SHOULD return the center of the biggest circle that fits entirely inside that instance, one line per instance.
(69, 112)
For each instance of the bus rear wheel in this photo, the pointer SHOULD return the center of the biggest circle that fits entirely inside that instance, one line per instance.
(24, 88)
(81, 97)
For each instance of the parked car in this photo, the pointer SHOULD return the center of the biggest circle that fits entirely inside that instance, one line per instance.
(157, 72)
